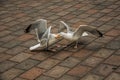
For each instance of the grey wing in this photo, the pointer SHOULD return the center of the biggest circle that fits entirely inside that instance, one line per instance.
(80, 31)
(46, 36)
(63, 26)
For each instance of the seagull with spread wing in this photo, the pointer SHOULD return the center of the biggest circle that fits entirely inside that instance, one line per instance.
(79, 32)
(40, 27)
(44, 35)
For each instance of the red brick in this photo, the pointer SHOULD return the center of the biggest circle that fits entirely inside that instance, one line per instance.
(113, 32)
(92, 77)
(49, 63)
(104, 53)
(10, 74)
(32, 73)
(79, 70)
(57, 71)
(82, 53)
(20, 57)
(4, 57)
(25, 37)
(103, 69)
(40, 56)
(62, 55)
(92, 61)
(113, 76)
(114, 60)
(92, 11)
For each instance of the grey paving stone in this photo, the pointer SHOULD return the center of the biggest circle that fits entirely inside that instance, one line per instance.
(27, 64)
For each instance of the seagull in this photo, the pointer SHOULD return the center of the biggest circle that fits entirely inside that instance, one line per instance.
(47, 39)
(76, 34)
(40, 27)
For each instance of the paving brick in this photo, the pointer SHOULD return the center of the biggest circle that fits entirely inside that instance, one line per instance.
(92, 61)
(49, 63)
(40, 56)
(15, 50)
(70, 62)
(17, 33)
(19, 79)
(62, 55)
(82, 54)
(79, 71)
(29, 43)
(3, 49)
(114, 60)
(105, 28)
(20, 57)
(27, 64)
(92, 77)
(115, 44)
(104, 39)
(118, 52)
(4, 57)
(10, 74)
(104, 53)
(6, 65)
(104, 69)
(94, 46)
(3, 28)
(25, 37)
(106, 10)
(44, 78)
(113, 76)
(7, 38)
(11, 44)
(113, 22)
(32, 73)
(57, 71)
(68, 77)
(105, 18)
(113, 32)
(4, 33)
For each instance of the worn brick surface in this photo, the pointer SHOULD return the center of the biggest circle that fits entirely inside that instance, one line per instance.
(70, 62)
(10, 74)
(114, 60)
(32, 73)
(92, 61)
(104, 69)
(114, 76)
(49, 63)
(79, 70)
(104, 53)
(57, 71)
(20, 57)
(92, 77)
(27, 64)
(68, 77)
(96, 58)
(45, 78)
(6, 65)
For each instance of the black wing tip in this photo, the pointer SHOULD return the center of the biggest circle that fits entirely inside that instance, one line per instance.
(100, 34)
(27, 30)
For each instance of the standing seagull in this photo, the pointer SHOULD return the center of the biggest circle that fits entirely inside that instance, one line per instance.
(80, 31)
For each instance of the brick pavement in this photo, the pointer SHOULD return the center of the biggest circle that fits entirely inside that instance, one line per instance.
(95, 59)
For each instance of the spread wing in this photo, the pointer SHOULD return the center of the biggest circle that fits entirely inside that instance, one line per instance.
(63, 26)
(39, 25)
(80, 31)
(46, 36)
